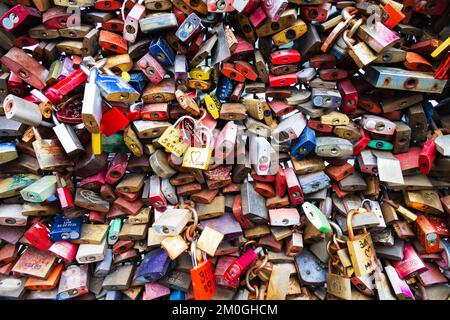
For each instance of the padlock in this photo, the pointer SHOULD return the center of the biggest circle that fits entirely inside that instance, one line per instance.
(400, 287)
(19, 17)
(197, 157)
(362, 262)
(427, 235)
(23, 111)
(262, 155)
(274, 9)
(156, 197)
(67, 137)
(11, 215)
(338, 285)
(74, 282)
(172, 222)
(39, 236)
(426, 201)
(65, 229)
(403, 80)
(131, 26)
(49, 154)
(411, 265)
(360, 53)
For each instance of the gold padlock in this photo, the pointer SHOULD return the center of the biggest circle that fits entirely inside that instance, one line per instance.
(361, 249)
(360, 53)
(172, 139)
(196, 157)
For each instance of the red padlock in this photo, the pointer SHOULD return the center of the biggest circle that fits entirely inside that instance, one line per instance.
(108, 5)
(113, 121)
(280, 108)
(20, 18)
(319, 126)
(285, 56)
(333, 74)
(257, 17)
(114, 25)
(370, 103)
(156, 197)
(16, 85)
(25, 41)
(155, 111)
(294, 190)
(112, 42)
(316, 13)
(229, 71)
(284, 80)
(57, 93)
(152, 68)
(246, 69)
(39, 236)
(236, 269)
(97, 217)
(256, 177)
(94, 182)
(64, 250)
(443, 70)
(427, 156)
(117, 168)
(236, 208)
(64, 195)
(55, 18)
(349, 95)
(362, 143)
(134, 112)
(264, 189)
(280, 182)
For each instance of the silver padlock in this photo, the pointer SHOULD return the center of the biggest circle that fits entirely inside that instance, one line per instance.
(67, 137)
(91, 112)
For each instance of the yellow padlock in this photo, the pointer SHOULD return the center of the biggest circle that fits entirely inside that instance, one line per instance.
(96, 143)
(212, 105)
(172, 139)
(197, 157)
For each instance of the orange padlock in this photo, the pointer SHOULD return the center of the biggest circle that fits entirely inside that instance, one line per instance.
(202, 277)
(416, 62)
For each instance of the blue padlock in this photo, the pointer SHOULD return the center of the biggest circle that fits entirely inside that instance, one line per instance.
(115, 89)
(304, 144)
(65, 229)
(224, 88)
(177, 295)
(138, 81)
(428, 109)
(161, 51)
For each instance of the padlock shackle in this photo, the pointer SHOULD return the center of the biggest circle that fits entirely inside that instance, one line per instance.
(253, 289)
(348, 13)
(336, 228)
(209, 135)
(36, 133)
(347, 39)
(351, 235)
(185, 117)
(194, 253)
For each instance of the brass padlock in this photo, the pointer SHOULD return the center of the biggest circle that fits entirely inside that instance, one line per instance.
(361, 249)
(360, 53)
(49, 153)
